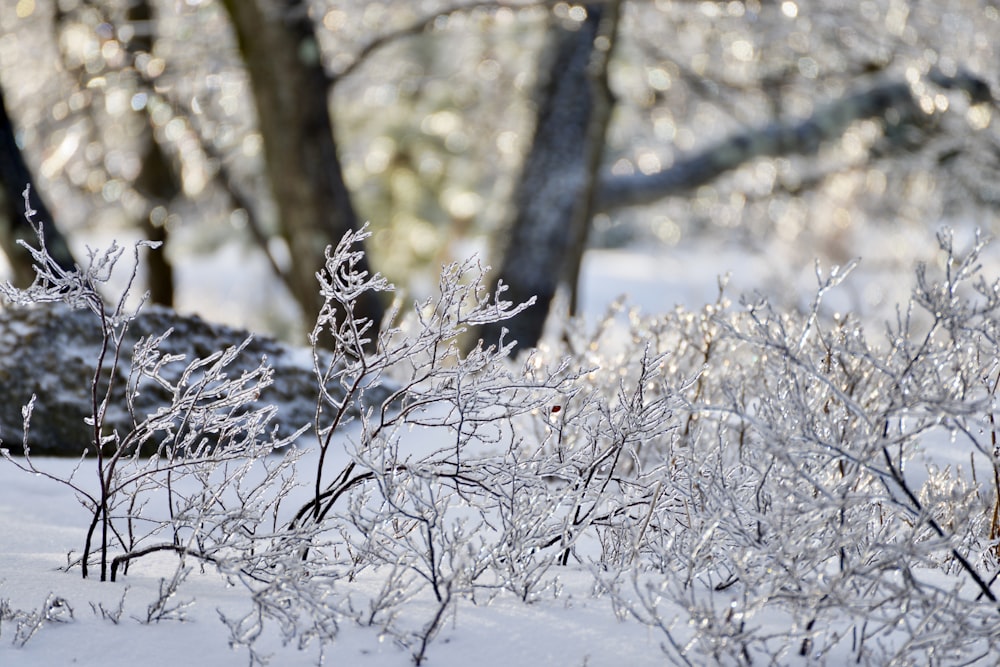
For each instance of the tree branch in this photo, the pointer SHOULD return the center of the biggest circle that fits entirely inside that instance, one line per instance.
(892, 101)
(422, 25)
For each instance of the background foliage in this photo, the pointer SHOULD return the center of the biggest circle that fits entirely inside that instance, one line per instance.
(433, 107)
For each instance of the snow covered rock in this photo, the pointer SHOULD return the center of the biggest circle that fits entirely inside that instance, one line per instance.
(50, 351)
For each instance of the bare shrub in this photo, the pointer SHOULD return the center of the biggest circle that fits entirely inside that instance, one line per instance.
(749, 481)
(166, 483)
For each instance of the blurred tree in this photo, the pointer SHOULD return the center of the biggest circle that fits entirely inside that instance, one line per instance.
(554, 200)
(291, 87)
(560, 192)
(157, 181)
(892, 103)
(789, 121)
(127, 53)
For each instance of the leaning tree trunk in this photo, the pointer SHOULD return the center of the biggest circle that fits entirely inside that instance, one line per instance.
(278, 43)
(893, 99)
(555, 196)
(14, 178)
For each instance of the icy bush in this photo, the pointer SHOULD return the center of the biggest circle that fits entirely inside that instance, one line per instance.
(172, 481)
(797, 516)
(753, 484)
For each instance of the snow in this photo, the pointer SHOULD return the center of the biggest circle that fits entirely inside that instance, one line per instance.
(41, 522)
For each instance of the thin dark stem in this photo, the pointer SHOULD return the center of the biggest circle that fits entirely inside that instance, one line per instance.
(918, 508)
(176, 548)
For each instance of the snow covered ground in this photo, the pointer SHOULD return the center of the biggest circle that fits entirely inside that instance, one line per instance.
(41, 522)
(85, 622)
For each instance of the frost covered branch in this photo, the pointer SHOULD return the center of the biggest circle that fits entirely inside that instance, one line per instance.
(753, 483)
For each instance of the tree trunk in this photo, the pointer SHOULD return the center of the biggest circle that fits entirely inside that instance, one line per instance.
(157, 182)
(278, 44)
(14, 178)
(158, 185)
(554, 199)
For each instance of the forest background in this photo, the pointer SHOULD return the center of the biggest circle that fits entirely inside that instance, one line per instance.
(522, 131)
